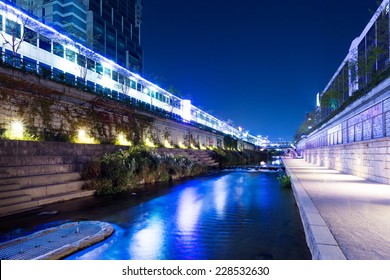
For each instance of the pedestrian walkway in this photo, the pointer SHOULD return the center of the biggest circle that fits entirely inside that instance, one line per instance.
(57, 242)
(344, 216)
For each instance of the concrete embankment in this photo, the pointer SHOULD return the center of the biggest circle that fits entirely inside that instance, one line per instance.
(344, 216)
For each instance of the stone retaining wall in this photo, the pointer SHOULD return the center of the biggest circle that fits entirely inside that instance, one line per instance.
(49, 107)
(366, 159)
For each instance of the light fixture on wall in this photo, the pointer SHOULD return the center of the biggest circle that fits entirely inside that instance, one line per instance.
(149, 143)
(16, 130)
(121, 140)
(84, 138)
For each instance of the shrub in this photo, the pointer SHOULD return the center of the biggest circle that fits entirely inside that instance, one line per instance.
(91, 169)
(123, 170)
(284, 181)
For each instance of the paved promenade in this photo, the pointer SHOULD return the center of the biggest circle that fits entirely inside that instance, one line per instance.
(344, 216)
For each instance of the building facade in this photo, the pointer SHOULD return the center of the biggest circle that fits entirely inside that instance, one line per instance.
(366, 64)
(115, 27)
(111, 28)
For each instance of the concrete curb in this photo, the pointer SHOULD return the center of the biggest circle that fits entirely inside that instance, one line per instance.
(57, 242)
(320, 240)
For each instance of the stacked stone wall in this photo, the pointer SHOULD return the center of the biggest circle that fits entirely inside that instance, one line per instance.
(367, 159)
(48, 107)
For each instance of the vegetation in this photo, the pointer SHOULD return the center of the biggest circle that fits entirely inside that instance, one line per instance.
(284, 181)
(229, 158)
(127, 169)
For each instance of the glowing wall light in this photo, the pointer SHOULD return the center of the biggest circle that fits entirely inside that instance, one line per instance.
(16, 130)
(122, 140)
(193, 147)
(84, 138)
(182, 146)
(149, 143)
(202, 147)
(167, 144)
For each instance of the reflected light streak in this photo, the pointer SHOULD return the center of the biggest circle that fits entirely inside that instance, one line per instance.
(188, 211)
(147, 243)
(220, 194)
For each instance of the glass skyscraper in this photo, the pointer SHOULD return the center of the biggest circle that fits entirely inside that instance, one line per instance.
(115, 27)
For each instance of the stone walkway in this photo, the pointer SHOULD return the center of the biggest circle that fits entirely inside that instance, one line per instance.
(57, 242)
(344, 216)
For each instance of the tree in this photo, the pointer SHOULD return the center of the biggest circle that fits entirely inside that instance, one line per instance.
(14, 33)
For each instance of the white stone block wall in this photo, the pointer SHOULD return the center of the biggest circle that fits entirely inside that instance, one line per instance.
(367, 159)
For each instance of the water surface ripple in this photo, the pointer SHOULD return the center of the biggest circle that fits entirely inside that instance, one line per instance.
(237, 215)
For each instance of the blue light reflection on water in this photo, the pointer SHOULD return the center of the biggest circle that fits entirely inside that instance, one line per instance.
(235, 215)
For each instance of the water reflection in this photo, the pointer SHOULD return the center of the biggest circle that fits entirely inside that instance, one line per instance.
(188, 211)
(147, 242)
(220, 194)
(236, 215)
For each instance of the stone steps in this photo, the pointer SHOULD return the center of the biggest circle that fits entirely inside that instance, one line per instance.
(27, 170)
(44, 190)
(33, 174)
(14, 199)
(42, 179)
(36, 203)
(204, 157)
(10, 161)
(9, 187)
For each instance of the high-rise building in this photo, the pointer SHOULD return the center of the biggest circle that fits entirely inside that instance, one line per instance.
(115, 27)
(111, 28)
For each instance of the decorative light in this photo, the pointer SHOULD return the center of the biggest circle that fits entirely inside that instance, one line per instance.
(84, 138)
(182, 146)
(193, 147)
(149, 143)
(122, 140)
(202, 147)
(167, 144)
(16, 131)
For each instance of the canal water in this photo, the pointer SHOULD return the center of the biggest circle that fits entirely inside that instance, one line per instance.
(227, 215)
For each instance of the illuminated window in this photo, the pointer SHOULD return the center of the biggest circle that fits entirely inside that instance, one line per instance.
(99, 68)
(133, 84)
(58, 49)
(70, 55)
(81, 60)
(44, 43)
(90, 64)
(115, 75)
(30, 36)
(107, 72)
(13, 28)
(121, 79)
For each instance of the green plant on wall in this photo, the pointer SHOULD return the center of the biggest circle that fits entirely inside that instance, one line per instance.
(230, 143)
(331, 99)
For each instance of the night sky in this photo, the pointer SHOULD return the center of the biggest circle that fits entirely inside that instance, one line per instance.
(258, 63)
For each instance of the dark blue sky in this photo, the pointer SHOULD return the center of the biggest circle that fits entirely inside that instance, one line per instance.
(259, 63)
